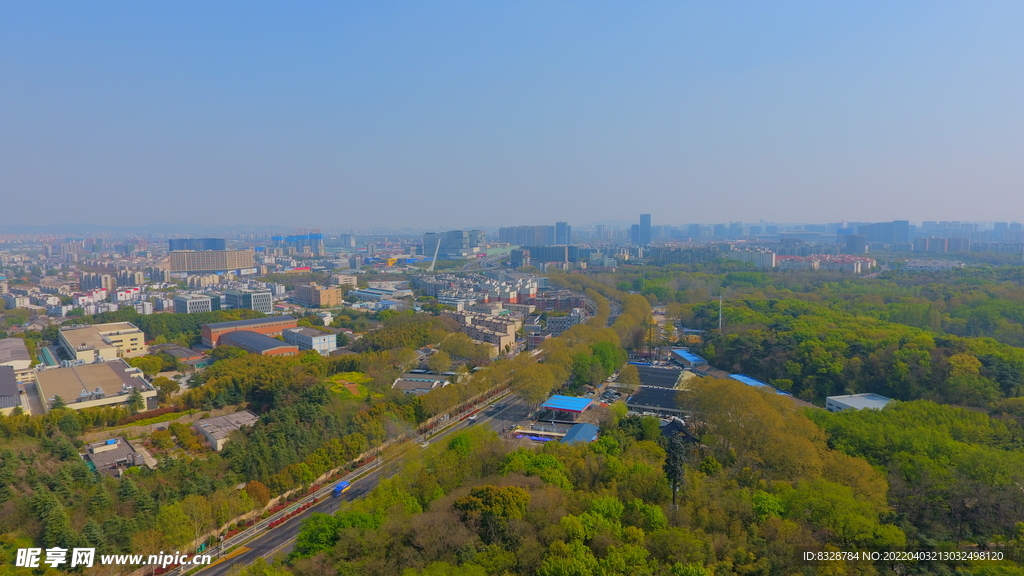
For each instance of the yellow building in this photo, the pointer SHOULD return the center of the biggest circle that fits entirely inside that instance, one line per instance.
(318, 296)
(103, 341)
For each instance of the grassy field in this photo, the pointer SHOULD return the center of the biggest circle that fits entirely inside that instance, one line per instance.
(350, 384)
(159, 419)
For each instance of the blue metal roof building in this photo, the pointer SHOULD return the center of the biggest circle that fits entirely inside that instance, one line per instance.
(687, 356)
(580, 433)
(567, 403)
(756, 383)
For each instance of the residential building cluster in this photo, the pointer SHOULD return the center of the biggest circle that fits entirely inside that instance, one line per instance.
(829, 262)
(491, 329)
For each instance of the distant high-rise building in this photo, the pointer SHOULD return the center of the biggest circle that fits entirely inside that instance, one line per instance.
(210, 260)
(90, 280)
(308, 244)
(130, 278)
(999, 230)
(520, 258)
(563, 233)
(196, 244)
(547, 253)
(524, 236)
(258, 300)
(645, 229)
(453, 244)
(856, 244)
(887, 232)
(634, 234)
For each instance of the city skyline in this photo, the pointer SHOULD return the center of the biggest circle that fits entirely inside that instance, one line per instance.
(388, 116)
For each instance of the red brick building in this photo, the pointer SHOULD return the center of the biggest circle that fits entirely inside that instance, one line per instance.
(270, 326)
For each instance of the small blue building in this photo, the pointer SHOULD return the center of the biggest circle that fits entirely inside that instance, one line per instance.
(580, 433)
(688, 359)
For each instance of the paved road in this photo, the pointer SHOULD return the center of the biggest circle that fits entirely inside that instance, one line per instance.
(280, 540)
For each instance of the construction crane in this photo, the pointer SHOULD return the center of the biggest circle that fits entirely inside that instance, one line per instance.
(436, 250)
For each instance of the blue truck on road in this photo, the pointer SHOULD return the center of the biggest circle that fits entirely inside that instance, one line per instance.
(341, 487)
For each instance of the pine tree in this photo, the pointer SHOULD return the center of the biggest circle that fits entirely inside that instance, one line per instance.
(100, 500)
(94, 535)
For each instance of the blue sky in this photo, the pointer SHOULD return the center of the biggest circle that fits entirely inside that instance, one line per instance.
(433, 114)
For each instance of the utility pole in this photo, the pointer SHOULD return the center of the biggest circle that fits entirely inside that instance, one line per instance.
(719, 313)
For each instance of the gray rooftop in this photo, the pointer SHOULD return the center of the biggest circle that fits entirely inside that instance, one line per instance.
(862, 401)
(252, 341)
(174, 350)
(308, 332)
(221, 426)
(8, 384)
(103, 456)
(13, 350)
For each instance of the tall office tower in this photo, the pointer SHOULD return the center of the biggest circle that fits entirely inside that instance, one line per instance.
(196, 244)
(856, 244)
(563, 233)
(645, 229)
(316, 244)
(527, 235)
(888, 232)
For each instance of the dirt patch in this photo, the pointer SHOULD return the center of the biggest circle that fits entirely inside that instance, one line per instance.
(352, 387)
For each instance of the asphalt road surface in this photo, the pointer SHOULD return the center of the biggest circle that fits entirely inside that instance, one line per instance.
(280, 540)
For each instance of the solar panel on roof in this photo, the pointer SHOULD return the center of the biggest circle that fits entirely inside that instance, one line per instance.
(756, 383)
(567, 403)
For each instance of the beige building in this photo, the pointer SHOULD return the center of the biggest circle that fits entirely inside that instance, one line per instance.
(498, 331)
(103, 341)
(210, 260)
(345, 280)
(319, 296)
(91, 385)
(14, 353)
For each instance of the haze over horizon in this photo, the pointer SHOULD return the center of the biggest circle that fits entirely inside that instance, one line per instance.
(426, 115)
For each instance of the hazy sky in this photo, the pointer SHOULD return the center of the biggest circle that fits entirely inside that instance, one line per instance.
(500, 113)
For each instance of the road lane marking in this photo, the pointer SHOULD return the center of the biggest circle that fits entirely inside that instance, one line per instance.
(236, 552)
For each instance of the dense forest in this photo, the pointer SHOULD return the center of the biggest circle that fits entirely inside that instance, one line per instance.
(950, 337)
(764, 483)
